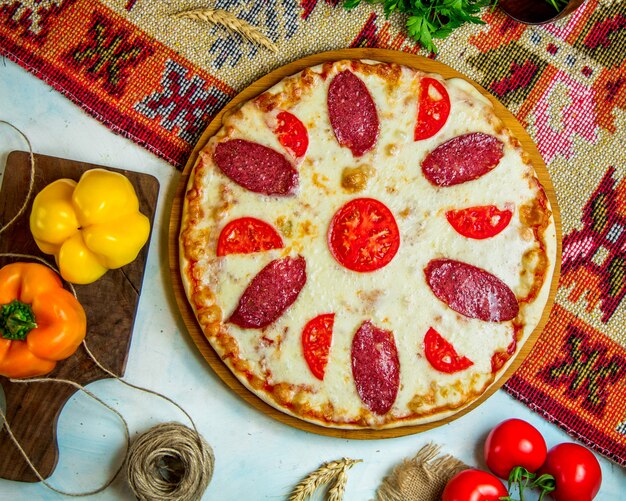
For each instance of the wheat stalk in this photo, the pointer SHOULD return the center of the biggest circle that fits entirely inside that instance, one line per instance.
(231, 22)
(333, 470)
(336, 491)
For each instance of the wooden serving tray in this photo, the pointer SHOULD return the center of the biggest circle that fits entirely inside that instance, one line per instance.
(110, 303)
(262, 85)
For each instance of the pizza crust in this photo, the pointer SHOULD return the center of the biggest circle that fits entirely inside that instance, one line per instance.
(269, 362)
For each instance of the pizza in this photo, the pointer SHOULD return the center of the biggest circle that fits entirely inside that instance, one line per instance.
(366, 245)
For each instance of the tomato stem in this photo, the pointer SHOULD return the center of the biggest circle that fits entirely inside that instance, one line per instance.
(546, 483)
(16, 320)
(524, 479)
(521, 477)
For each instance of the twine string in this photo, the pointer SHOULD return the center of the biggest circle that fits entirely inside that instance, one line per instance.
(30, 463)
(166, 448)
(164, 462)
(15, 255)
(169, 461)
(31, 183)
(153, 456)
(140, 388)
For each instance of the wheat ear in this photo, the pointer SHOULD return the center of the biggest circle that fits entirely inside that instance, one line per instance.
(336, 491)
(231, 22)
(334, 470)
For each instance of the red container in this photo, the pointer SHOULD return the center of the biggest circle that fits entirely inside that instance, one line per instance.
(536, 11)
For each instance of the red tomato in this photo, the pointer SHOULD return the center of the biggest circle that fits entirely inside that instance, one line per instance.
(474, 485)
(576, 471)
(442, 355)
(479, 222)
(514, 443)
(292, 133)
(247, 235)
(433, 108)
(363, 235)
(316, 337)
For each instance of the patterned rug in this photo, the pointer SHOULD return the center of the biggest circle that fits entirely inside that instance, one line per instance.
(158, 80)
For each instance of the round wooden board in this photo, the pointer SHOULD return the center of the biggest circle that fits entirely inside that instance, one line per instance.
(262, 85)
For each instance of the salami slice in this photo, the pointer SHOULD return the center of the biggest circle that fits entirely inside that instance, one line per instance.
(270, 293)
(471, 291)
(462, 158)
(375, 367)
(256, 167)
(352, 113)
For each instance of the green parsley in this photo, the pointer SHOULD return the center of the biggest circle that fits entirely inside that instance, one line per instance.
(429, 19)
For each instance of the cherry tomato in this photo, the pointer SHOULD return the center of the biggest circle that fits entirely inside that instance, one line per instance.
(433, 108)
(246, 235)
(474, 485)
(479, 222)
(512, 443)
(292, 133)
(576, 471)
(363, 235)
(442, 355)
(316, 338)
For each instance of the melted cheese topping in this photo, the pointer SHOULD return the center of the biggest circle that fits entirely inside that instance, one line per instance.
(395, 297)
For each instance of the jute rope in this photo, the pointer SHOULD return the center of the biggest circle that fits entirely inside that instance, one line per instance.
(168, 460)
(166, 464)
(31, 182)
(28, 460)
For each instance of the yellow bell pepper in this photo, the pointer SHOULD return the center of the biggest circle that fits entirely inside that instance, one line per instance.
(90, 226)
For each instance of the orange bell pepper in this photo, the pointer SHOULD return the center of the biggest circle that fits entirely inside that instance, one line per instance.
(40, 321)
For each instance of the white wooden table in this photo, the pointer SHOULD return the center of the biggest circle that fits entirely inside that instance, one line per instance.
(257, 458)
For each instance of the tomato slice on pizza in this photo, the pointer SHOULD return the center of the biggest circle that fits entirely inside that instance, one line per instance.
(363, 235)
(247, 235)
(433, 108)
(479, 222)
(442, 355)
(292, 134)
(316, 339)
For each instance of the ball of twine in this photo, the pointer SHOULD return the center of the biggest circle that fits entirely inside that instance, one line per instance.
(170, 462)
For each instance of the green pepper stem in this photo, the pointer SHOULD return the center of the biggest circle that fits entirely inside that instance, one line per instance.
(16, 320)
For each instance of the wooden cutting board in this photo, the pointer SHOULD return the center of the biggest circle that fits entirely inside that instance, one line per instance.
(32, 409)
(261, 85)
